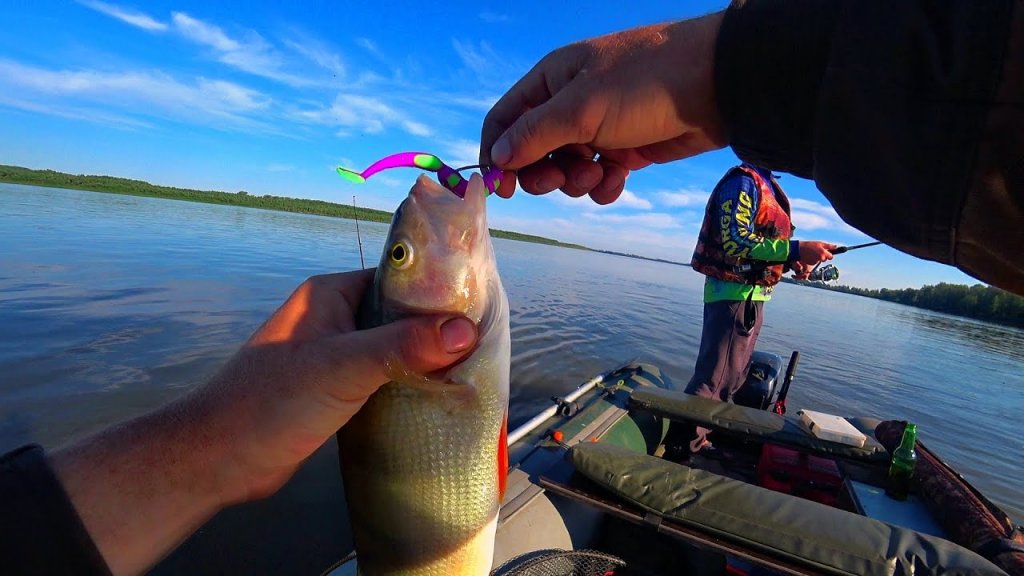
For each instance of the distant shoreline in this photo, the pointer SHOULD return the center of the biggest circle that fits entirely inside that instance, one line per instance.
(978, 301)
(114, 185)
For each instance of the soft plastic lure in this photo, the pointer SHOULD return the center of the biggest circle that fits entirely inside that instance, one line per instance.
(448, 177)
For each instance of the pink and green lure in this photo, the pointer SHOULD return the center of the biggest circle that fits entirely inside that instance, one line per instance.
(448, 177)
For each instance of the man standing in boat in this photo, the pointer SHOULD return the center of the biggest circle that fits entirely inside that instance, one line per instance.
(744, 248)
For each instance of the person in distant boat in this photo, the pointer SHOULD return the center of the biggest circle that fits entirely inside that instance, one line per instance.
(744, 247)
(909, 116)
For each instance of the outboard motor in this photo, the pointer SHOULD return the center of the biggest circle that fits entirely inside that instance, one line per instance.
(761, 385)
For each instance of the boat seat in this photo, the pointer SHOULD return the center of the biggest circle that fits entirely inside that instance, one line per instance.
(792, 530)
(752, 423)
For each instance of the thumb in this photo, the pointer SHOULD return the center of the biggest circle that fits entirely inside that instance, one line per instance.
(540, 131)
(419, 344)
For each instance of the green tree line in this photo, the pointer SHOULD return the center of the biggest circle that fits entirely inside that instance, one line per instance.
(114, 185)
(977, 301)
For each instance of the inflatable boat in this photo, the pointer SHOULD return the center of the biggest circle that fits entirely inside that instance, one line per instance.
(593, 491)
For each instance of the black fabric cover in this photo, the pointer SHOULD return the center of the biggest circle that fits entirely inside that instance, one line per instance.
(826, 539)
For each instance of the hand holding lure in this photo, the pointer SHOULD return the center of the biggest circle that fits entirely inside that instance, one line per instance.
(448, 177)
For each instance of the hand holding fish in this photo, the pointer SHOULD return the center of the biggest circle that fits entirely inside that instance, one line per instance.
(141, 487)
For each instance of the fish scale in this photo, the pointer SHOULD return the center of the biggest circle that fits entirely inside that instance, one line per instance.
(420, 460)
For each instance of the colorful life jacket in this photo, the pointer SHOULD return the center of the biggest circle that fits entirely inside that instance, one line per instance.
(771, 221)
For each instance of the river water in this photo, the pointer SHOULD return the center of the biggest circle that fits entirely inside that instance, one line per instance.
(112, 305)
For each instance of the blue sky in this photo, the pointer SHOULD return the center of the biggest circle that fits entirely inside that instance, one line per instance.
(270, 98)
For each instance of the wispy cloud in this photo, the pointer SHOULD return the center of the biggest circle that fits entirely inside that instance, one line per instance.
(811, 215)
(486, 67)
(252, 54)
(318, 53)
(646, 219)
(493, 17)
(368, 45)
(630, 200)
(479, 59)
(126, 15)
(630, 236)
(203, 33)
(155, 94)
(484, 103)
(682, 198)
(626, 200)
(460, 152)
(76, 113)
(365, 114)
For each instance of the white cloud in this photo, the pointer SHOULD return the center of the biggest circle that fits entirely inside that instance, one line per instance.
(486, 67)
(320, 54)
(126, 15)
(682, 198)
(626, 200)
(156, 94)
(646, 220)
(365, 114)
(368, 45)
(630, 200)
(811, 215)
(629, 237)
(416, 128)
(476, 59)
(76, 113)
(459, 153)
(493, 17)
(253, 54)
(484, 103)
(203, 33)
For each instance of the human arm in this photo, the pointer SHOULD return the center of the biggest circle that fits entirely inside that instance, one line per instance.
(907, 115)
(636, 97)
(140, 488)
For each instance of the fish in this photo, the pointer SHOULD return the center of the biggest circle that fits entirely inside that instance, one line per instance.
(424, 461)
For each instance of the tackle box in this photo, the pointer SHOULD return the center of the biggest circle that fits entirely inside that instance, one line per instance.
(792, 472)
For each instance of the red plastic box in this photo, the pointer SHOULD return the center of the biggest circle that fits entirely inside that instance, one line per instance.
(799, 474)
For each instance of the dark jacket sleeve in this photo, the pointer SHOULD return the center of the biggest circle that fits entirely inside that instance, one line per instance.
(40, 532)
(908, 115)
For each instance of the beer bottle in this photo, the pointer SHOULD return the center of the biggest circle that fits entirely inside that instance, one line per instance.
(901, 468)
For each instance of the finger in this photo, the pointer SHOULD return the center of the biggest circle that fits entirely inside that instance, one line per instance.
(351, 284)
(417, 345)
(532, 90)
(539, 131)
(541, 177)
(612, 183)
(581, 172)
(508, 184)
(337, 297)
(320, 305)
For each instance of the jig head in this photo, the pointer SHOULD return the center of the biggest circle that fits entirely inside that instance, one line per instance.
(449, 177)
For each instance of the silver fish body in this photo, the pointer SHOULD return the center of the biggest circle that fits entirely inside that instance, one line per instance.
(424, 460)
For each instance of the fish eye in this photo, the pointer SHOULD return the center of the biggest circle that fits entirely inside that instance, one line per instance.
(400, 254)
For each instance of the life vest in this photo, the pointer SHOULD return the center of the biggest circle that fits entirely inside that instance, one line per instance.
(771, 221)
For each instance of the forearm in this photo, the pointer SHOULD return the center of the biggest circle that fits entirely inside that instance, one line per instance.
(142, 487)
(906, 115)
(777, 250)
